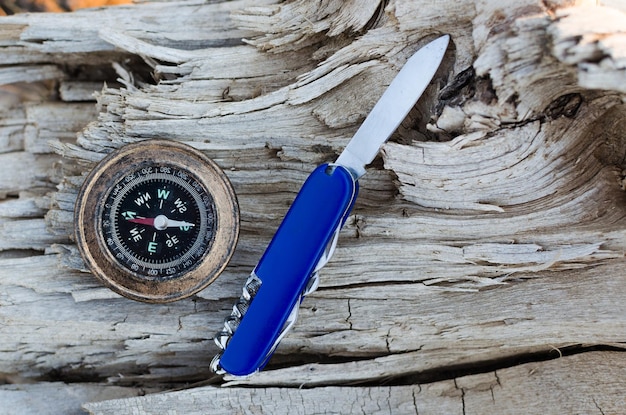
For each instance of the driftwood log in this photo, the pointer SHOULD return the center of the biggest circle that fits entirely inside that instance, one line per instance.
(482, 269)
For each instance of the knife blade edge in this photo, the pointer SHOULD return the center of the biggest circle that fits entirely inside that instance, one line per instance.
(394, 105)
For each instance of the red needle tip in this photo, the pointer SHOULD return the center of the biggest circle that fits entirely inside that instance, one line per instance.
(143, 221)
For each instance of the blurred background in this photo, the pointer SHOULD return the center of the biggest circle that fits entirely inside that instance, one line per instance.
(8, 7)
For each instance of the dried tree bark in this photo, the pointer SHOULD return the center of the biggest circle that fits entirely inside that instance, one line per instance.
(491, 231)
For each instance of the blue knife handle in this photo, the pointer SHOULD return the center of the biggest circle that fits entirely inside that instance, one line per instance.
(319, 210)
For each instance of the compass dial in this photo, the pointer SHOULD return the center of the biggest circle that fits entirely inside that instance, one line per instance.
(158, 221)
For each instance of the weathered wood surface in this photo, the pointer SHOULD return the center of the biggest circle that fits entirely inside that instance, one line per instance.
(531, 388)
(491, 230)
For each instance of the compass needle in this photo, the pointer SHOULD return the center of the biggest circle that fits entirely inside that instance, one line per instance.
(142, 221)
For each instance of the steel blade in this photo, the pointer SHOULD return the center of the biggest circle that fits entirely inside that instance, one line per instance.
(396, 102)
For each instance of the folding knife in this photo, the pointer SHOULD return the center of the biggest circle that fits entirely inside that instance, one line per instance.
(307, 236)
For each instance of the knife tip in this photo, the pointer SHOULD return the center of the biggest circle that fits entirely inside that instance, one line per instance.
(443, 40)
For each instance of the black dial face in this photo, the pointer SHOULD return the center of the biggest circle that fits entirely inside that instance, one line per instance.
(158, 221)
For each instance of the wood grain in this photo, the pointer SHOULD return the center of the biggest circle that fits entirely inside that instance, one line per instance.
(489, 231)
(541, 387)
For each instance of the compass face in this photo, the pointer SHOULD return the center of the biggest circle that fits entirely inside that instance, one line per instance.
(158, 221)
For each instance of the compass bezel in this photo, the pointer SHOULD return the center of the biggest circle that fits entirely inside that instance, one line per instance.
(90, 214)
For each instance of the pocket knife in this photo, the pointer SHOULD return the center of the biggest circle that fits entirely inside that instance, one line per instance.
(307, 236)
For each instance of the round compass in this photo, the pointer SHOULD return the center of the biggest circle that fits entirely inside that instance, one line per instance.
(157, 221)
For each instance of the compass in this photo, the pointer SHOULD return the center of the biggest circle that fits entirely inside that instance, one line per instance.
(156, 221)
